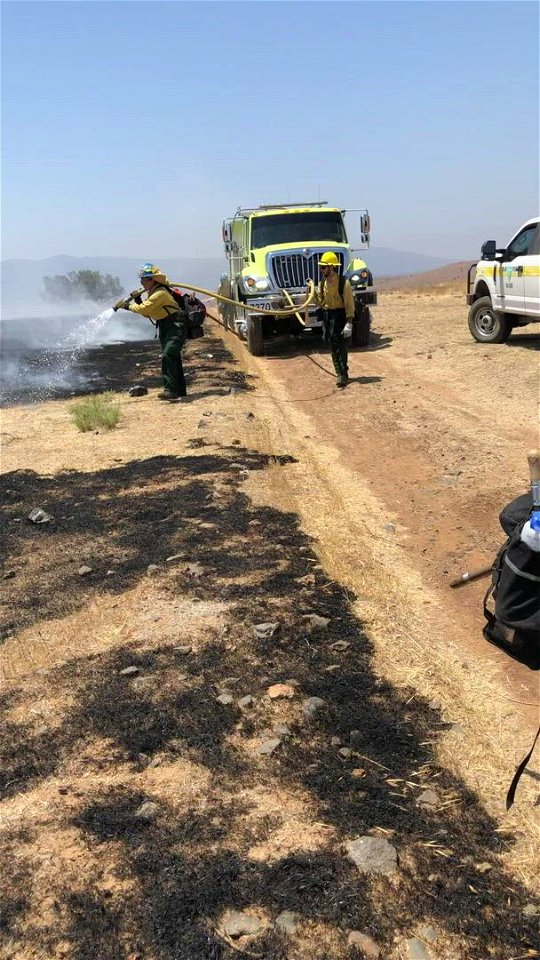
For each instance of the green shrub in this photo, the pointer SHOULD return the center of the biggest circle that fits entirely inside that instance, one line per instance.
(99, 410)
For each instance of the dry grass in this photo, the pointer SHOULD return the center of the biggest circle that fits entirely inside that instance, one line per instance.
(99, 410)
(452, 289)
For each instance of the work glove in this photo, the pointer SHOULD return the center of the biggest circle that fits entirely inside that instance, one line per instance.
(122, 304)
(135, 295)
(347, 329)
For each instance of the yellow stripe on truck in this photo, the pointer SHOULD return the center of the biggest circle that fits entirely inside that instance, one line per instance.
(532, 271)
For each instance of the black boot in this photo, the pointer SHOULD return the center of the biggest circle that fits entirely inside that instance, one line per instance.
(168, 395)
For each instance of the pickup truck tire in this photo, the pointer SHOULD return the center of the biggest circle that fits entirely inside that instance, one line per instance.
(486, 325)
(361, 325)
(255, 336)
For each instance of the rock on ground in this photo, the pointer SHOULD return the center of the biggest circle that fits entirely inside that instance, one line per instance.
(363, 942)
(239, 924)
(313, 705)
(267, 748)
(278, 690)
(373, 855)
(416, 950)
(147, 810)
(265, 631)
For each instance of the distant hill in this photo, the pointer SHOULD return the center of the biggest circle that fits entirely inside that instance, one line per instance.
(23, 279)
(449, 274)
(385, 262)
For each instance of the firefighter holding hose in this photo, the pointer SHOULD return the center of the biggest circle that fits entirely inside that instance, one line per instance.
(162, 309)
(336, 300)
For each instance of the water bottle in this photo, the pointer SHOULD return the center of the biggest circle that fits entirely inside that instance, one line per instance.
(530, 534)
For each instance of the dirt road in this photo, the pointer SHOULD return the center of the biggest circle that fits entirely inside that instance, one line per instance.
(439, 426)
(260, 679)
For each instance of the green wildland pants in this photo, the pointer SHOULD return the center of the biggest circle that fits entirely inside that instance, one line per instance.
(333, 323)
(172, 336)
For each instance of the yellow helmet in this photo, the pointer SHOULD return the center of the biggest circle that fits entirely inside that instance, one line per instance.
(329, 260)
(149, 271)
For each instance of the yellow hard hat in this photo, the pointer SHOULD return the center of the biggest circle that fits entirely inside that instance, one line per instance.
(149, 271)
(329, 260)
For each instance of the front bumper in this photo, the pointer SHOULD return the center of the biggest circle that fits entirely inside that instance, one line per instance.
(367, 295)
(272, 302)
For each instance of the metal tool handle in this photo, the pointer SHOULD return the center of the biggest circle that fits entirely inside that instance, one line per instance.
(533, 457)
(473, 575)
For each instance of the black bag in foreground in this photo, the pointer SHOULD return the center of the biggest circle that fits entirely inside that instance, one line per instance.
(514, 624)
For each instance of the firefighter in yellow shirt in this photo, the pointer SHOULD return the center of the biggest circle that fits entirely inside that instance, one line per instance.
(161, 307)
(336, 300)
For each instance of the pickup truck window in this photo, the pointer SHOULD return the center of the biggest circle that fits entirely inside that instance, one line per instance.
(302, 228)
(524, 244)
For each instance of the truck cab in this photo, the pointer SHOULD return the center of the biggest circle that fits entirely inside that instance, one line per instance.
(272, 252)
(503, 288)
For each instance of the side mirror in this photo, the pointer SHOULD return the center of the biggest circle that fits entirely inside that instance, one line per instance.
(489, 249)
(365, 228)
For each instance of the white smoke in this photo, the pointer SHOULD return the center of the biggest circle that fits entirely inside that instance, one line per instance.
(42, 324)
(41, 352)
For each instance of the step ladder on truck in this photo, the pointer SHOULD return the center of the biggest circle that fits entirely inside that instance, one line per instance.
(272, 252)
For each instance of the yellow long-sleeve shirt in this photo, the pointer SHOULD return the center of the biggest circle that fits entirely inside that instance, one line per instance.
(154, 306)
(328, 297)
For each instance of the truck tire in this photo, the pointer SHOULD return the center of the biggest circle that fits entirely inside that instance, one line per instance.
(361, 325)
(255, 336)
(486, 325)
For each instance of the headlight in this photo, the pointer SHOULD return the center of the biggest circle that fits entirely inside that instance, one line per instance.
(256, 283)
(359, 277)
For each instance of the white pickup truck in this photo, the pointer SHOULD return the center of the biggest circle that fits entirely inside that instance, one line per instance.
(505, 290)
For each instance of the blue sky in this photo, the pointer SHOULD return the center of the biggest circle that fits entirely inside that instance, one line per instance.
(134, 128)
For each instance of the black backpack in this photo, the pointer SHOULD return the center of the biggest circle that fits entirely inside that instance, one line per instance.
(194, 312)
(514, 623)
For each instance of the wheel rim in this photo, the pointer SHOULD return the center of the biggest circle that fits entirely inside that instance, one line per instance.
(486, 323)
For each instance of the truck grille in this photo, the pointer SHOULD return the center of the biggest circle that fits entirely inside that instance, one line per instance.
(294, 269)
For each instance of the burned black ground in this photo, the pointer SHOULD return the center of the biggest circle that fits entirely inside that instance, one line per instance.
(186, 870)
(119, 366)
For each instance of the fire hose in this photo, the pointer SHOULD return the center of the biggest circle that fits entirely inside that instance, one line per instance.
(293, 309)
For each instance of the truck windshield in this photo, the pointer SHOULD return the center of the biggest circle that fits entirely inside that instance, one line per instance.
(297, 228)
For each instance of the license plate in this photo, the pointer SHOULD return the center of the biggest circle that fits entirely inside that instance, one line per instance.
(261, 306)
